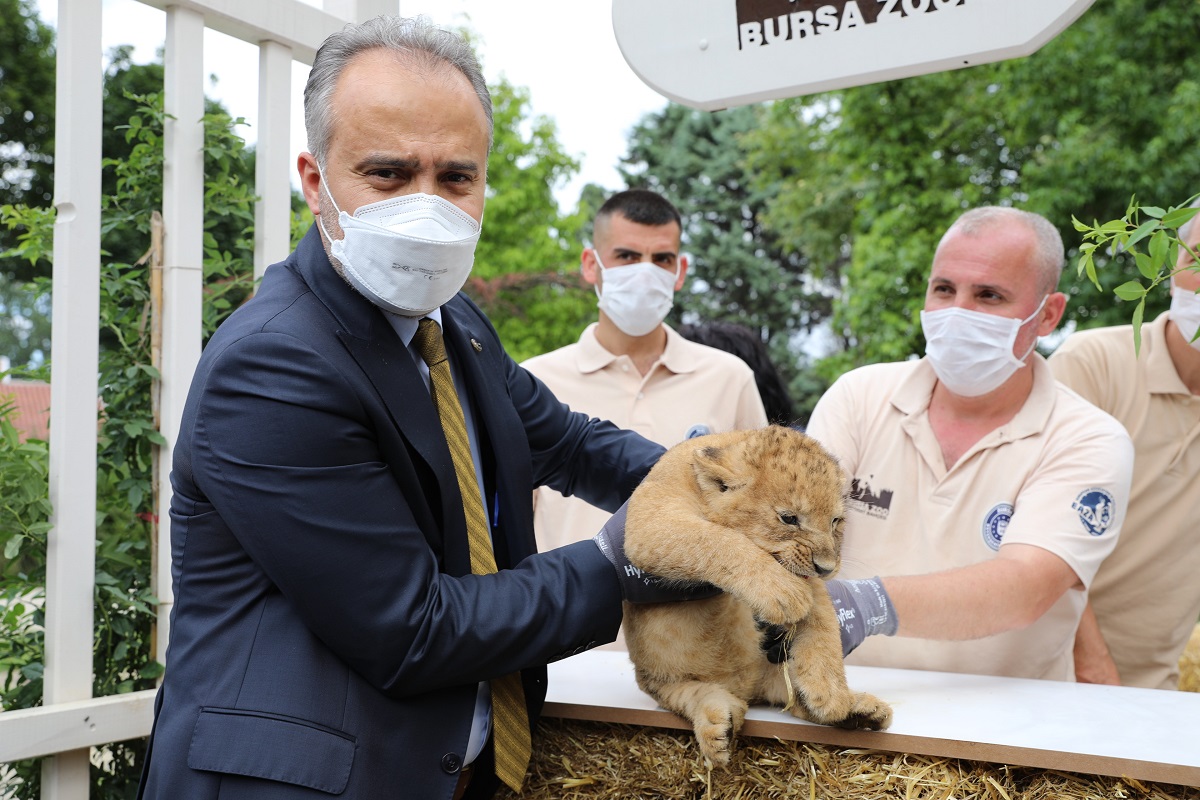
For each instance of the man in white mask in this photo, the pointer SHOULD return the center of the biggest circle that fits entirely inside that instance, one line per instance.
(1146, 598)
(985, 493)
(629, 366)
(359, 609)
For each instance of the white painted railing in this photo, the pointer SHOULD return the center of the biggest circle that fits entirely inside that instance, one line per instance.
(71, 720)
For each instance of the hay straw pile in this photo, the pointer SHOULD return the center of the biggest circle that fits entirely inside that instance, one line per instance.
(575, 760)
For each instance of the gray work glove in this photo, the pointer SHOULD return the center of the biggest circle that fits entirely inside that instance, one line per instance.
(638, 586)
(863, 609)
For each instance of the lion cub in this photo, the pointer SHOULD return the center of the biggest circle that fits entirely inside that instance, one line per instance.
(759, 515)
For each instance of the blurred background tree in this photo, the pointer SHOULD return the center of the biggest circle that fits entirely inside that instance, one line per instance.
(868, 178)
(739, 272)
(526, 274)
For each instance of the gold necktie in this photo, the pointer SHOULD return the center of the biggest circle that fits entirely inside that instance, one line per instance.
(510, 721)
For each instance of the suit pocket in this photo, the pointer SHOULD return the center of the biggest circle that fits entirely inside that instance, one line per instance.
(272, 747)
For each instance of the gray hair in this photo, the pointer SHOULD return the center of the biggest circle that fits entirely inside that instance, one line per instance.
(416, 38)
(1049, 253)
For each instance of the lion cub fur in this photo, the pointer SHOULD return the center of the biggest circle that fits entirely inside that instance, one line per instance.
(759, 515)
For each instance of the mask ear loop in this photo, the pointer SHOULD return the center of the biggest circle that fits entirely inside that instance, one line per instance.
(329, 194)
(1025, 322)
(600, 264)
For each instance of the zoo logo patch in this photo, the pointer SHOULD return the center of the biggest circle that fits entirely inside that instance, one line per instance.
(995, 523)
(1096, 510)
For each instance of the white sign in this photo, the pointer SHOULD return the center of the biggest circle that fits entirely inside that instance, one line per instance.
(711, 54)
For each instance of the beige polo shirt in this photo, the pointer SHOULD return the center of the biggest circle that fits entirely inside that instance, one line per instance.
(1056, 477)
(692, 388)
(1147, 594)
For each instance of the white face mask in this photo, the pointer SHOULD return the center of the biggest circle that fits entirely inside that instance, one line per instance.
(636, 297)
(1185, 313)
(972, 352)
(407, 255)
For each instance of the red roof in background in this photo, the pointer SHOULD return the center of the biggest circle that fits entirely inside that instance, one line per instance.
(31, 399)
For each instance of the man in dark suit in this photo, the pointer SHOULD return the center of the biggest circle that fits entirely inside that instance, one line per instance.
(333, 630)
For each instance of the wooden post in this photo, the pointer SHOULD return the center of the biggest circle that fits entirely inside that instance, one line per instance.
(75, 346)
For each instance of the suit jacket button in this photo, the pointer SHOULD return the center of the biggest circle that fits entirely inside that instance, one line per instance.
(451, 763)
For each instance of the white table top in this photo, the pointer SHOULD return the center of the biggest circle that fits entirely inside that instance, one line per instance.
(1146, 734)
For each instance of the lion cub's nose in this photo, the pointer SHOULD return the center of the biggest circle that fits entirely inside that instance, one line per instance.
(821, 569)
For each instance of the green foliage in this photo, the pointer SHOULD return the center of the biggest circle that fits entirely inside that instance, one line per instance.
(27, 77)
(24, 322)
(27, 74)
(123, 658)
(1152, 243)
(740, 270)
(24, 514)
(24, 315)
(870, 177)
(526, 274)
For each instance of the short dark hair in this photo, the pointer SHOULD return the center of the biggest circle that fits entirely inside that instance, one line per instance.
(747, 345)
(641, 206)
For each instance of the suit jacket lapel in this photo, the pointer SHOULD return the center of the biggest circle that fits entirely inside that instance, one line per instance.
(381, 355)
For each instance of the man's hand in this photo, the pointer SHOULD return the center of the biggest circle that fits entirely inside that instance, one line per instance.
(863, 609)
(1093, 661)
(638, 586)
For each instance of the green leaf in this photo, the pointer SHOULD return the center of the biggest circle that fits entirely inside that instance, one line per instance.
(1179, 216)
(1131, 290)
(1145, 265)
(12, 548)
(1160, 245)
(1153, 211)
(1091, 272)
(1138, 313)
(1143, 230)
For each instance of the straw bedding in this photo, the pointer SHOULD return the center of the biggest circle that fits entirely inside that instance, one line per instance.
(576, 760)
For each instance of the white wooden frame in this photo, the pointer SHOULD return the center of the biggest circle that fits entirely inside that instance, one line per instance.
(71, 721)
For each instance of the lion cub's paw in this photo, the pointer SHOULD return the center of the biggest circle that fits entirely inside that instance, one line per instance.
(867, 712)
(715, 733)
(779, 600)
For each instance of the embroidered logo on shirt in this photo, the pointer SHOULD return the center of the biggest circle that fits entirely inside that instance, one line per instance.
(865, 500)
(1096, 510)
(697, 430)
(995, 523)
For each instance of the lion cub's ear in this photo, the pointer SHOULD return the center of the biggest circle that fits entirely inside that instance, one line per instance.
(714, 472)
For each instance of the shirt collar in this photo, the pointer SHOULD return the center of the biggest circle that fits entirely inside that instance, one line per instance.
(913, 395)
(1161, 375)
(406, 327)
(677, 357)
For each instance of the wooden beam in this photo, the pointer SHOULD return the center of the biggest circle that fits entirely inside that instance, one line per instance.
(75, 342)
(295, 25)
(37, 732)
